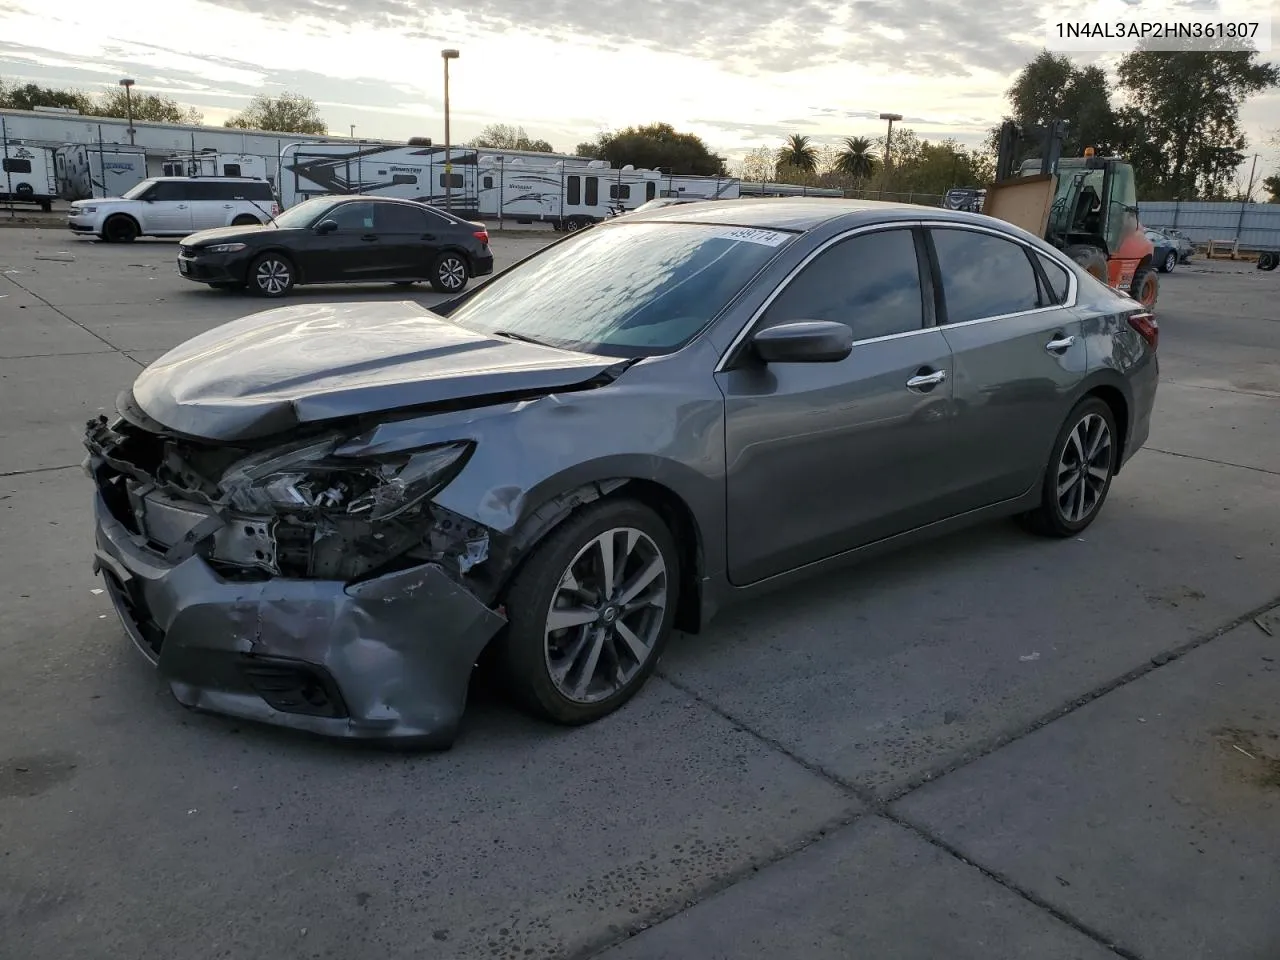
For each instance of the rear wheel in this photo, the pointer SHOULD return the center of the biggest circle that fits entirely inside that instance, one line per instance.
(1078, 475)
(590, 612)
(1145, 287)
(1091, 258)
(1170, 261)
(449, 273)
(246, 220)
(120, 229)
(271, 275)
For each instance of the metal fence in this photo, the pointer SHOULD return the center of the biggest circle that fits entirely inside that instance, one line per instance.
(1255, 225)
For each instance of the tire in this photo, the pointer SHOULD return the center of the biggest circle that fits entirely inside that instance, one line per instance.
(574, 224)
(1145, 287)
(546, 670)
(1268, 260)
(120, 229)
(1091, 258)
(1057, 515)
(1170, 261)
(271, 275)
(449, 273)
(246, 220)
(227, 285)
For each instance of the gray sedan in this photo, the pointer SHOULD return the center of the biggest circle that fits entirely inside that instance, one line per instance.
(321, 516)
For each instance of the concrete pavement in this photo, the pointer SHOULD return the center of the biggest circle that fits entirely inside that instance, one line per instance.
(985, 746)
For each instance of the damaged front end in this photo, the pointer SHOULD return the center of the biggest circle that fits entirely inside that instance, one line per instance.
(312, 509)
(306, 584)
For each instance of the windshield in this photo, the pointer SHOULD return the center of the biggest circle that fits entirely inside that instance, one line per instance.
(134, 192)
(622, 290)
(305, 213)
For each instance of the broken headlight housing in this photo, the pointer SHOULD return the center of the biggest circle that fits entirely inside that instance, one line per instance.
(310, 477)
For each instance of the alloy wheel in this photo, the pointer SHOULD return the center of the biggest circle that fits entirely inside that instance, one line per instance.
(453, 273)
(606, 615)
(272, 276)
(1170, 262)
(1084, 468)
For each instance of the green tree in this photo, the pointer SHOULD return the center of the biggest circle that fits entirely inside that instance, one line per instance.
(146, 106)
(287, 113)
(655, 146)
(855, 159)
(799, 153)
(503, 136)
(1053, 88)
(28, 96)
(1181, 129)
(1272, 186)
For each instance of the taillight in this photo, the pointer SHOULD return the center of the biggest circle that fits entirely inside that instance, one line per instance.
(482, 236)
(1148, 328)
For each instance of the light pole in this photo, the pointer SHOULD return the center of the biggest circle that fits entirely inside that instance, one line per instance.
(446, 56)
(888, 138)
(127, 83)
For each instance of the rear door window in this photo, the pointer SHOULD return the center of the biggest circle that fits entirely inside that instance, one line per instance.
(983, 275)
(400, 218)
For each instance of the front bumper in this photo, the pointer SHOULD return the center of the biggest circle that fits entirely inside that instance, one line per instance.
(387, 658)
(84, 224)
(213, 267)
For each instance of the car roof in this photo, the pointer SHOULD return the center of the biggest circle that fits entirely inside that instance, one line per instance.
(802, 213)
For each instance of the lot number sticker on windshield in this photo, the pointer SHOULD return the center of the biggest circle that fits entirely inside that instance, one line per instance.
(769, 238)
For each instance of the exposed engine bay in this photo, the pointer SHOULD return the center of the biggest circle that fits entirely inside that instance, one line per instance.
(312, 509)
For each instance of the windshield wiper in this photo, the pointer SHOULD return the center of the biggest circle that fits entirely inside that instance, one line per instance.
(521, 337)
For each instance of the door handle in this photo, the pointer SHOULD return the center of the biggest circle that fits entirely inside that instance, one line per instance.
(369, 238)
(226, 206)
(428, 236)
(1059, 344)
(924, 381)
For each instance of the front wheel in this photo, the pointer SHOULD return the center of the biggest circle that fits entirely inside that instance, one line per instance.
(449, 273)
(1170, 261)
(1078, 475)
(590, 611)
(120, 229)
(1145, 287)
(271, 275)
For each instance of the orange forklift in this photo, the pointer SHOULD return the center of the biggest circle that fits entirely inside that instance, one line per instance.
(1086, 206)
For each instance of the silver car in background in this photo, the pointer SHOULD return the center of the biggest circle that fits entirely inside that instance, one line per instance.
(321, 516)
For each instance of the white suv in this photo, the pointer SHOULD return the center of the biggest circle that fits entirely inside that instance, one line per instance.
(175, 207)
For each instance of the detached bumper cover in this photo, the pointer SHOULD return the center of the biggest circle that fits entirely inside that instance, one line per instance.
(386, 658)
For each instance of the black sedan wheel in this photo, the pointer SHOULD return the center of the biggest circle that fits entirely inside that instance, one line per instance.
(449, 273)
(1170, 261)
(1078, 476)
(271, 275)
(590, 612)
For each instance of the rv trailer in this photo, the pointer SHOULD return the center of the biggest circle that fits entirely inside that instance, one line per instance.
(27, 174)
(86, 171)
(568, 193)
(210, 163)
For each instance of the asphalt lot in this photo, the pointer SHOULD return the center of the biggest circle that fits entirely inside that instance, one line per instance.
(989, 745)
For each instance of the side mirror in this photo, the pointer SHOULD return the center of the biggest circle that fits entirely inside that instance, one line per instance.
(326, 226)
(804, 341)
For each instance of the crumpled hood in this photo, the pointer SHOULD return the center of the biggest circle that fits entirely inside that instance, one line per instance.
(271, 371)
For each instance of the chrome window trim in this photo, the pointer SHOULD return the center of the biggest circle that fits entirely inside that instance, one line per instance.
(1073, 282)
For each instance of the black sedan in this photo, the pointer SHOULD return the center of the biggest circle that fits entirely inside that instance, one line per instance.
(341, 240)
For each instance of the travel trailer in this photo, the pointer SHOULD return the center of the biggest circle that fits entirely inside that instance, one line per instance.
(569, 193)
(27, 175)
(85, 172)
(209, 163)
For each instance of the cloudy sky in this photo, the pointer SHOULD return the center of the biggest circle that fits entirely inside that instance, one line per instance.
(740, 73)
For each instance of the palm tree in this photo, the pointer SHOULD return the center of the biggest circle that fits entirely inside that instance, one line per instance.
(799, 153)
(855, 160)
